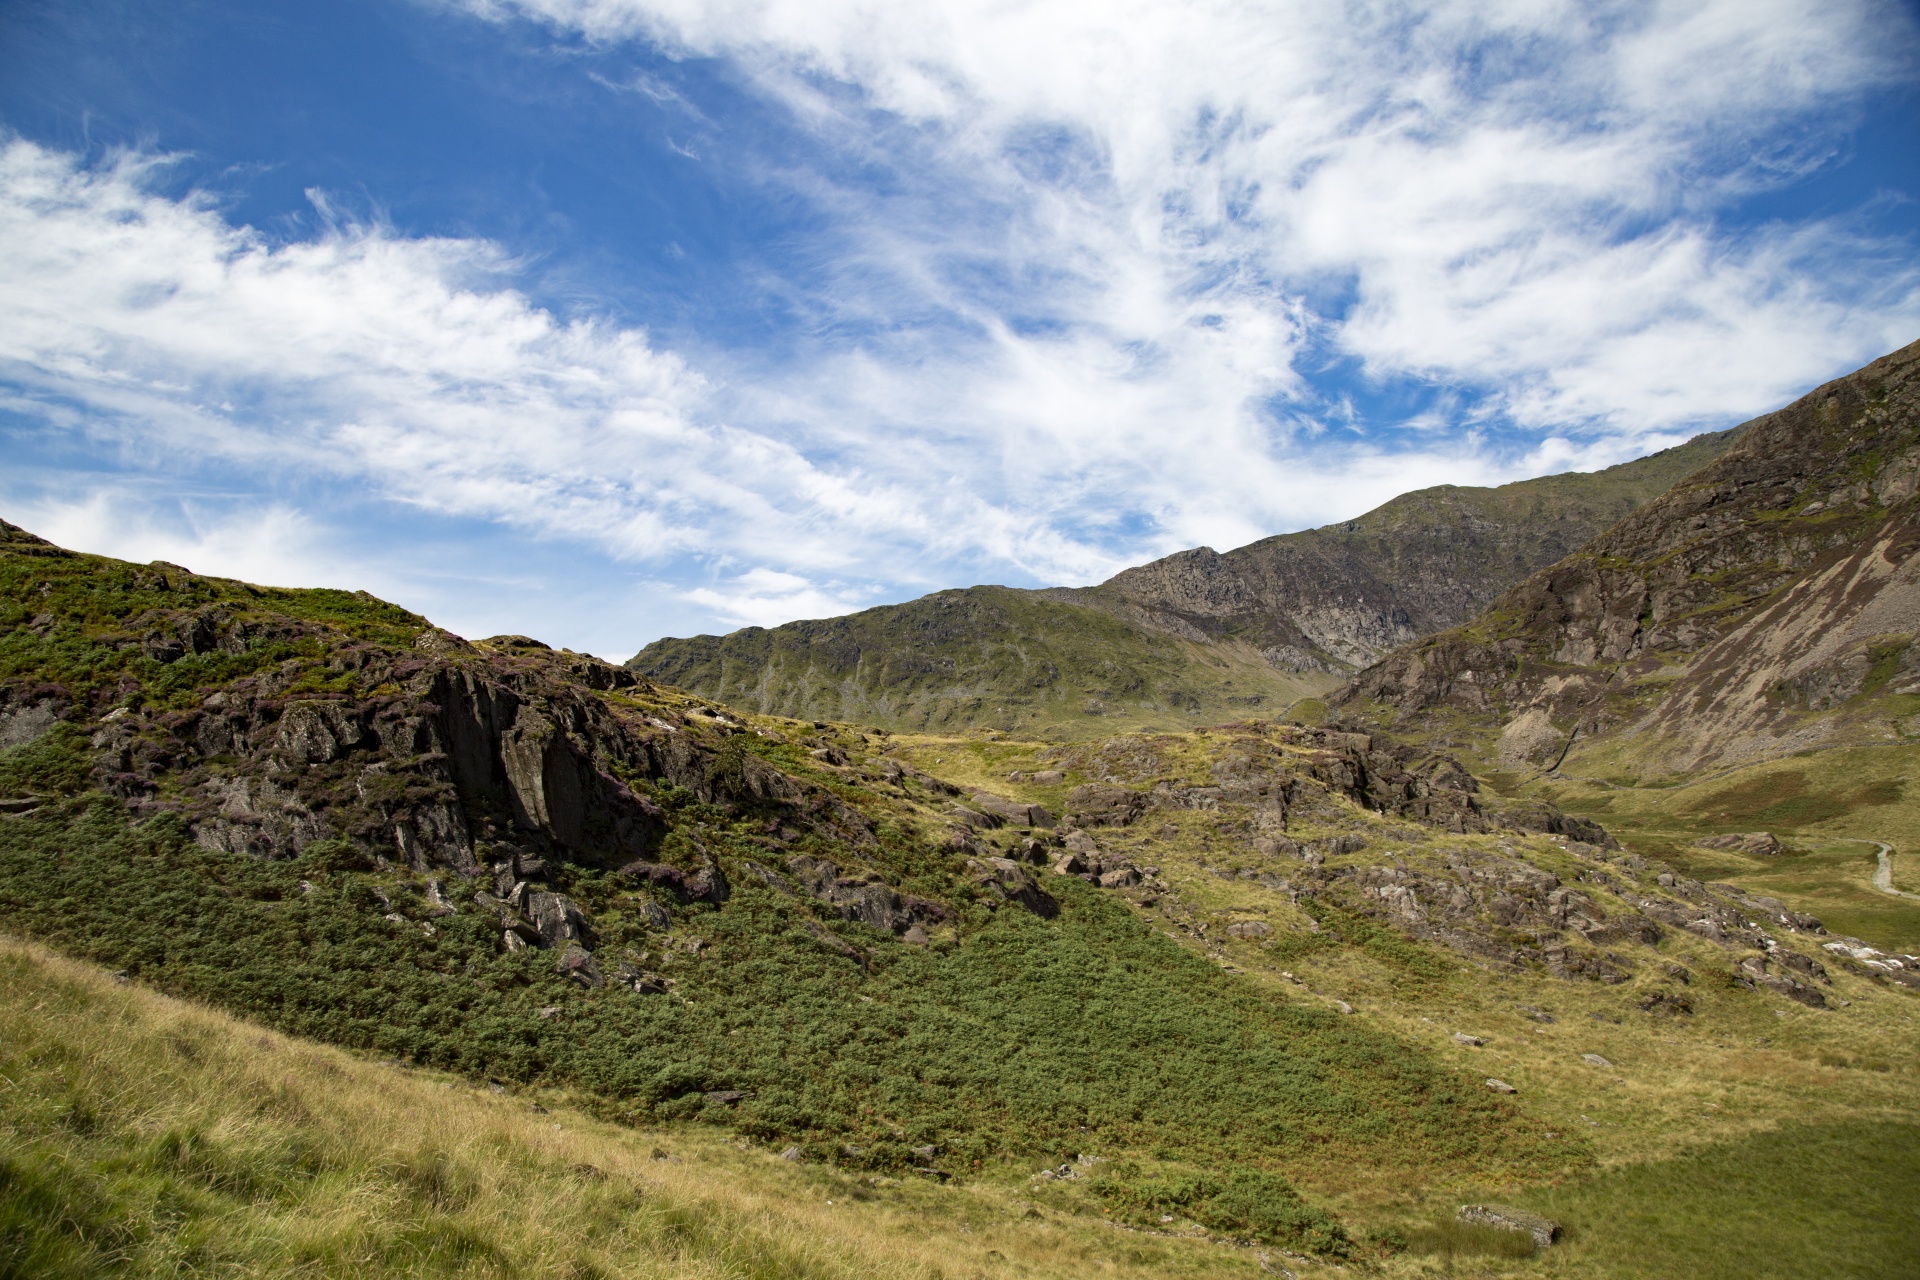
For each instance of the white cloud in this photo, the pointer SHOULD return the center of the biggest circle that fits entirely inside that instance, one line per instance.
(1521, 197)
(408, 364)
(1087, 304)
(767, 598)
(271, 545)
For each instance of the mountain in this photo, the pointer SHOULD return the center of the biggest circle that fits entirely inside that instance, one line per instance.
(1765, 605)
(1193, 637)
(1158, 996)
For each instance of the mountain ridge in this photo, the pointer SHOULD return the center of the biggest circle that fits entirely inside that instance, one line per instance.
(1191, 636)
(1764, 605)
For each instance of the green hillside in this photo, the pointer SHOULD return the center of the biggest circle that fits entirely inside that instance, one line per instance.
(1221, 1001)
(992, 657)
(1190, 639)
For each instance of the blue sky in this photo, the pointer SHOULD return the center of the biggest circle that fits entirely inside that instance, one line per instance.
(608, 319)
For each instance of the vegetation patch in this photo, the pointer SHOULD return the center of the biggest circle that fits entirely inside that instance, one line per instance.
(1839, 1199)
(1248, 1203)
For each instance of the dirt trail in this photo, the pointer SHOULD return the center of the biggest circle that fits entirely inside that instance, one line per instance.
(1883, 872)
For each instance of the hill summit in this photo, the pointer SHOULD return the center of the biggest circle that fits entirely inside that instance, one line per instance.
(1193, 637)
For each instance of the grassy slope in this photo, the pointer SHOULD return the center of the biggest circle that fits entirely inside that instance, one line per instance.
(1010, 1040)
(170, 1135)
(990, 656)
(145, 1136)
(1011, 659)
(1683, 1098)
(1828, 805)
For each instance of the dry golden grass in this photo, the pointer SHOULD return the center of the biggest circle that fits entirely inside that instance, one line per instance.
(150, 1136)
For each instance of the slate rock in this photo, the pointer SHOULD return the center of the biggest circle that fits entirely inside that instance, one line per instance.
(577, 962)
(1008, 881)
(1098, 805)
(557, 919)
(1543, 1230)
(1758, 844)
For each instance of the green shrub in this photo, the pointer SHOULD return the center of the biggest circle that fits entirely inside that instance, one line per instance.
(1244, 1202)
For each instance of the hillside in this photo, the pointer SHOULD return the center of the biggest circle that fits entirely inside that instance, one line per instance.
(1194, 637)
(1766, 605)
(1273, 991)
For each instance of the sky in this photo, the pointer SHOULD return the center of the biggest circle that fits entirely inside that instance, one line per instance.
(602, 320)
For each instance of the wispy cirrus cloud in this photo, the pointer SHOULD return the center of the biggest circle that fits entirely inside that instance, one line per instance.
(1079, 285)
(1197, 199)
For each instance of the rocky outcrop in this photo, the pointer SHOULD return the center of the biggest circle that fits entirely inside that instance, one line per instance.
(1394, 778)
(1005, 880)
(1544, 1231)
(1756, 844)
(1738, 616)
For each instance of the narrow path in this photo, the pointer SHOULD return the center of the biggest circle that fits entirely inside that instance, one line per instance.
(1883, 872)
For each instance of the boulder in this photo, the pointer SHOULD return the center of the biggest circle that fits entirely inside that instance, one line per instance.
(1015, 812)
(854, 897)
(577, 962)
(1008, 881)
(1543, 1230)
(1250, 929)
(557, 919)
(973, 819)
(1757, 844)
(1097, 805)
(1081, 843)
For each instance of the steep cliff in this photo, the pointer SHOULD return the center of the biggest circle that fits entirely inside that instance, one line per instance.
(1766, 604)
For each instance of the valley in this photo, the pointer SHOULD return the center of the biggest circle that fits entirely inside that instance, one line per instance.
(338, 944)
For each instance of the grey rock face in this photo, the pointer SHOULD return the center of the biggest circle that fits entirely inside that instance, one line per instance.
(1008, 881)
(20, 725)
(853, 897)
(1543, 1230)
(557, 918)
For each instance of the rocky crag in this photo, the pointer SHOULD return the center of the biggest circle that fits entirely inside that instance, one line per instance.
(1311, 825)
(1338, 598)
(1766, 604)
(1193, 637)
